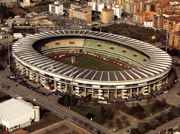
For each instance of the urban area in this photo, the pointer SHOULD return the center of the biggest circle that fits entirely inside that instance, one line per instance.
(90, 66)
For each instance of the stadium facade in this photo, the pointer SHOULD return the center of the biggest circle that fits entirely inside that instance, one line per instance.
(150, 66)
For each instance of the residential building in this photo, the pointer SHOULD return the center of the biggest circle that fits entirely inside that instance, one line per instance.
(142, 16)
(150, 6)
(80, 13)
(171, 24)
(56, 8)
(132, 7)
(97, 5)
(121, 2)
(117, 10)
(158, 22)
(107, 15)
(148, 23)
(174, 40)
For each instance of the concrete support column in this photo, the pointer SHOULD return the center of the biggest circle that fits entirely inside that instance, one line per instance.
(149, 89)
(92, 92)
(116, 93)
(20, 67)
(55, 85)
(65, 86)
(167, 80)
(138, 91)
(154, 87)
(27, 72)
(59, 84)
(40, 79)
(108, 93)
(37, 78)
(85, 91)
(130, 94)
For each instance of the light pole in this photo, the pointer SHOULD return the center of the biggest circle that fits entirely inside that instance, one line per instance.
(166, 40)
(8, 54)
(72, 61)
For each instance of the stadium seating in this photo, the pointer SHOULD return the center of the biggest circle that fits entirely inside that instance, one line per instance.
(105, 49)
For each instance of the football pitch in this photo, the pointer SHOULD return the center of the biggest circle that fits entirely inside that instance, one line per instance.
(87, 62)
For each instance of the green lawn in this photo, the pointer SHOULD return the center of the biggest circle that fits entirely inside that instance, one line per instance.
(148, 112)
(87, 62)
(82, 110)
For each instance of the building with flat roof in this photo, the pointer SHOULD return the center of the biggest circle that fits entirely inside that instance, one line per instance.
(56, 8)
(80, 13)
(174, 40)
(17, 113)
(107, 15)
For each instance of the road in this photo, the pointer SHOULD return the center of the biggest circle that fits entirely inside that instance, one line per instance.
(49, 103)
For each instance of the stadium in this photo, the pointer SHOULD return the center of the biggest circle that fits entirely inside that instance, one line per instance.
(104, 65)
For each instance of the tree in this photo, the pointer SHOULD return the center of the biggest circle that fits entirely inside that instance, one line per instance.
(175, 111)
(73, 100)
(61, 100)
(2, 67)
(119, 123)
(110, 124)
(103, 112)
(143, 127)
(135, 131)
(154, 123)
(164, 117)
(67, 100)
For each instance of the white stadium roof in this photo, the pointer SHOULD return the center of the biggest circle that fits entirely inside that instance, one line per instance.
(159, 64)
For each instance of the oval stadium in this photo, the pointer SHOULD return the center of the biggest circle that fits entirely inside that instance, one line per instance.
(99, 64)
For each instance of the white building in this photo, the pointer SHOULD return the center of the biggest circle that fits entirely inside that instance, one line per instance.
(97, 5)
(25, 3)
(117, 10)
(17, 35)
(56, 8)
(17, 113)
(148, 23)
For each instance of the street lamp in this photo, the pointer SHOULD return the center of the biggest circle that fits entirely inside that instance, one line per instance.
(8, 53)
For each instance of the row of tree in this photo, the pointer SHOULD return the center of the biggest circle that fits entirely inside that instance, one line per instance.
(106, 113)
(138, 111)
(140, 33)
(68, 100)
(5, 13)
(157, 121)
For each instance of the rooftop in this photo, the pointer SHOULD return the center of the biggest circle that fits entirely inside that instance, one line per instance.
(14, 108)
(107, 10)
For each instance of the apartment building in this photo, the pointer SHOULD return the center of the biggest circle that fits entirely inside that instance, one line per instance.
(143, 16)
(174, 40)
(132, 7)
(107, 15)
(56, 8)
(80, 13)
(96, 5)
(171, 24)
(157, 21)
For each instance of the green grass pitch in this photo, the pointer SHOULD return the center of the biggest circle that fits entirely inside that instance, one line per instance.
(87, 62)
